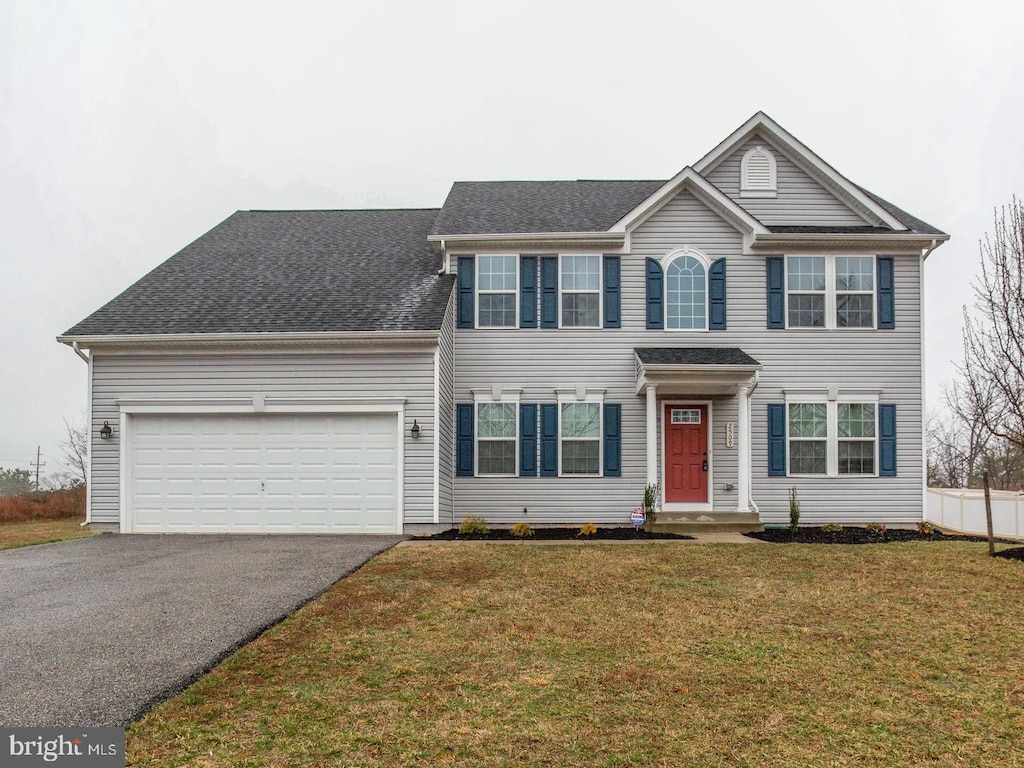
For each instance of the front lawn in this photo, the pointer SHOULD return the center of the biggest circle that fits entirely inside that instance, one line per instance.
(40, 532)
(645, 655)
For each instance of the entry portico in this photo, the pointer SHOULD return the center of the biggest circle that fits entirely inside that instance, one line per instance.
(689, 383)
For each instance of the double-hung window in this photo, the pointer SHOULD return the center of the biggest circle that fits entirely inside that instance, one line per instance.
(579, 437)
(496, 433)
(856, 427)
(832, 438)
(830, 291)
(580, 277)
(855, 292)
(497, 282)
(808, 438)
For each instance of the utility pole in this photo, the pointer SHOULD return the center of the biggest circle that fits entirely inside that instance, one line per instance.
(38, 464)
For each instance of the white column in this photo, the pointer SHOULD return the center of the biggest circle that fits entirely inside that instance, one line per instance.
(743, 445)
(652, 435)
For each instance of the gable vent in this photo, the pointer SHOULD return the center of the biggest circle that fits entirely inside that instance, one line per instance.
(757, 173)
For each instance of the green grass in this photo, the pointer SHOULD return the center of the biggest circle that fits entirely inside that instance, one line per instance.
(40, 532)
(658, 655)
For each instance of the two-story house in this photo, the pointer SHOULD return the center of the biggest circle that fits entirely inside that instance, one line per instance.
(531, 351)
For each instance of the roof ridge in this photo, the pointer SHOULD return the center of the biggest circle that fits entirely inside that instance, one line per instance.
(560, 181)
(332, 210)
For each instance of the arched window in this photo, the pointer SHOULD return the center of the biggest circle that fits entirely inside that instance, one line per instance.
(686, 293)
(757, 173)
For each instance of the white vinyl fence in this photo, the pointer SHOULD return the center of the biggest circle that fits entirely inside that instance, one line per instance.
(964, 509)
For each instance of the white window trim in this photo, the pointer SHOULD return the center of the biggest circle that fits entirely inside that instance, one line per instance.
(599, 291)
(487, 398)
(705, 261)
(577, 396)
(479, 292)
(830, 292)
(773, 177)
(832, 439)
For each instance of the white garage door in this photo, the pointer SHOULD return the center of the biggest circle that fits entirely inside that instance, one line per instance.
(249, 473)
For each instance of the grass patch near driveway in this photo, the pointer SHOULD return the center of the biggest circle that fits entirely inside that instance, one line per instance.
(647, 655)
(41, 532)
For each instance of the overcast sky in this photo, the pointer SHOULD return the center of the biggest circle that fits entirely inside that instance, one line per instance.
(127, 129)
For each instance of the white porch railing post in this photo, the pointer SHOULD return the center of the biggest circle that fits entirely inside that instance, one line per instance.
(743, 451)
(652, 435)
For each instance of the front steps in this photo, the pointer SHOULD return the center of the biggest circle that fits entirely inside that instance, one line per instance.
(693, 523)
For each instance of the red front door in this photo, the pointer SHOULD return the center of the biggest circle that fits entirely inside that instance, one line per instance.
(686, 453)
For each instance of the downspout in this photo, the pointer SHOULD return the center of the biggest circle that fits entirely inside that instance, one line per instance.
(88, 439)
(750, 481)
(934, 245)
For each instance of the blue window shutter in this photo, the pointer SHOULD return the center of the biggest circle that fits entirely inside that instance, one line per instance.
(612, 292)
(887, 440)
(527, 291)
(467, 302)
(886, 293)
(776, 281)
(464, 454)
(612, 440)
(716, 296)
(655, 295)
(527, 440)
(776, 439)
(548, 291)
(549, 440)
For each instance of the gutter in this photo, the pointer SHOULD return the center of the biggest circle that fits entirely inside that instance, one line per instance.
(249, 339)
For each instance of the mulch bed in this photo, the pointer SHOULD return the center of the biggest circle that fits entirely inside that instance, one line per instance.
(552, 534)
(854, 535)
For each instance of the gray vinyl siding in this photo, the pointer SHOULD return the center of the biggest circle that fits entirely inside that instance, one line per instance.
(446, 414)
(801, 200)
(408, 375)
(539, 361)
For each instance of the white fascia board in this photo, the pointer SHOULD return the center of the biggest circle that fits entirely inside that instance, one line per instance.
(314, 338)
(804, 156)
(704, 190)
(525, 241)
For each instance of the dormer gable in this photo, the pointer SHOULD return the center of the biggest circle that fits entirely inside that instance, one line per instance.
(828, 196)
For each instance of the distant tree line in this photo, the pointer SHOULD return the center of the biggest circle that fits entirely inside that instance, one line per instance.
(982, 428)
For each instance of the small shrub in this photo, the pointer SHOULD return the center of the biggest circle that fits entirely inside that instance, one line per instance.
(877, 529)
(794, 510)
(473, 525)
(587, 530)
(651, 504)
(924, 527)
(831, 528)
(522, 530)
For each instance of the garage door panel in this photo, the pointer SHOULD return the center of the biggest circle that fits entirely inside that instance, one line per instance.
(264, 473)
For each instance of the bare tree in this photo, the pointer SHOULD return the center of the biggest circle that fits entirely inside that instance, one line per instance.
(993, 366)
(75, 448)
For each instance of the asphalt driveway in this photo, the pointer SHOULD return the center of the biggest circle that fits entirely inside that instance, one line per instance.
(94, 631)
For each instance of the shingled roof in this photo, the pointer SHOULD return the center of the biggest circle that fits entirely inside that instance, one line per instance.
(509, 207)
(290, 271)
(498, 207)
(731, 356)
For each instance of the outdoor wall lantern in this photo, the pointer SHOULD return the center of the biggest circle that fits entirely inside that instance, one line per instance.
(106, 431)
(415, 431)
